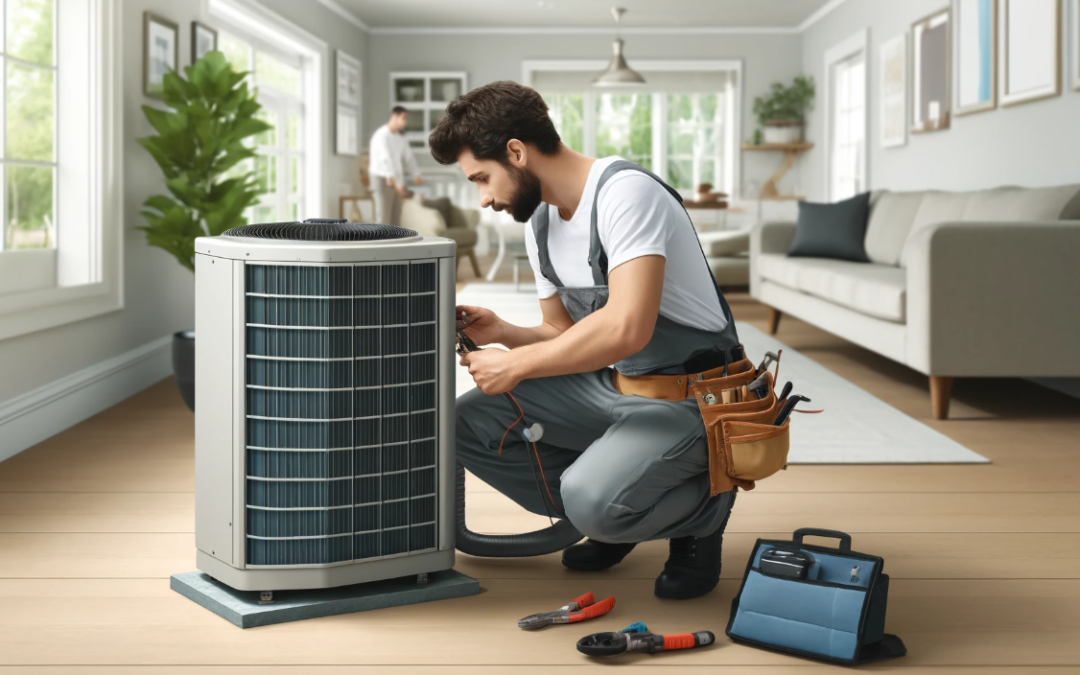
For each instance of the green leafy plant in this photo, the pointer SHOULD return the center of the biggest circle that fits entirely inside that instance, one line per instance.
(785, 103)
(199, 146)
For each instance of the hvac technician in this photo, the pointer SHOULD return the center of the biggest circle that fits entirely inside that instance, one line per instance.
(622, 279)
(389, 155)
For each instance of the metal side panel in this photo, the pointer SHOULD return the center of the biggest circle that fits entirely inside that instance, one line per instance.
(447, 398)
(214, 415)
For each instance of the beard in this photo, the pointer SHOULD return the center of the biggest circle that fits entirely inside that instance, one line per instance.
(526, 197)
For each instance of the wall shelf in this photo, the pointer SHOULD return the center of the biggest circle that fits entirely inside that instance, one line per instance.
(791, 151)
(425, 95)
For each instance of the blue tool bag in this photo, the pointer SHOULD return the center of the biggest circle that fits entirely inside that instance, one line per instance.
(824, 603)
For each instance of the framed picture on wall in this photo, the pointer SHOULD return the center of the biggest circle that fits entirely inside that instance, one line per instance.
(1030, 50)
(930, 73)
(1075, 28)
(348, 131)
(347, 85)
(161, 52)
(975, 37)
(893, 104)
(203, 40)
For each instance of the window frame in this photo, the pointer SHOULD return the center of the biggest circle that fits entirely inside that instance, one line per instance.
(86, 270)
(852, 46)
(732, 160)
(269, 32)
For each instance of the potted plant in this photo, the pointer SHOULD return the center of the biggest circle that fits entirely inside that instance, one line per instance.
(200, 148)
(781, 112)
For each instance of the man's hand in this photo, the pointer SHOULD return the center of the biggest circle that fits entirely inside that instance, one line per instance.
(405, 193)
(493, 370)
(486, 328)
(417, 180)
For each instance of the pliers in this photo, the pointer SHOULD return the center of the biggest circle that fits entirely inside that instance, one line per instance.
(581, 609)
(637, 638)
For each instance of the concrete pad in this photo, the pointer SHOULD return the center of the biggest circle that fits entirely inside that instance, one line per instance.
(242, 608)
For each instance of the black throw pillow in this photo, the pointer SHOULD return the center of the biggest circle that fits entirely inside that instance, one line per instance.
(833, 230)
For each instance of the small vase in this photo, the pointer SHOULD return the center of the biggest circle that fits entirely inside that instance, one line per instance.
(183, 359)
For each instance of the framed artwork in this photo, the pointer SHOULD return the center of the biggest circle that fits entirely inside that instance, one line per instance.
(930, 73)
(975, 37)
(348, 87)
(893, 94)
(1030, 50)
(203, 40)
(348, 130)
(1075, 23)
(161, 52)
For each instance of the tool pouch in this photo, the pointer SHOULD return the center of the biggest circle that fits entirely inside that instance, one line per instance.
(836, 612)
(743, 445)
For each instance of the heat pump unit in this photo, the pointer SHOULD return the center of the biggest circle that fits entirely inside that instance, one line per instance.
(324, 404)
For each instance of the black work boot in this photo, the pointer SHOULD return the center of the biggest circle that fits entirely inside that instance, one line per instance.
(593, 556)
(693, 566)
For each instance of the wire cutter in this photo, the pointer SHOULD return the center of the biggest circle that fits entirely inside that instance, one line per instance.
(637, 638)
(581, 609)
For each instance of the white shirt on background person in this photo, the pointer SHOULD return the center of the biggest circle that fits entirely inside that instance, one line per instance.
(389, 156)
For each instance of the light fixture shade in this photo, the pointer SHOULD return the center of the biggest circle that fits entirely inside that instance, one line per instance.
(618, 73)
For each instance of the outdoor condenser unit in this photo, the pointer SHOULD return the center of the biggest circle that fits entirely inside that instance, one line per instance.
(324, 404)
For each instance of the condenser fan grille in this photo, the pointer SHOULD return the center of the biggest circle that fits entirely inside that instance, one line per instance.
(341, 412)
(322, 230)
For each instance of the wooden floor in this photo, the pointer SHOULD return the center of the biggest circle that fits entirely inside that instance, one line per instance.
(984, 559)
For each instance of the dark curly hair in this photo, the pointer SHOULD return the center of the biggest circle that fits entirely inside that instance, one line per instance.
(485, 119)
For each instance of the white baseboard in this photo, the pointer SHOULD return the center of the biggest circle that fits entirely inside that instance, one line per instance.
(29, 419)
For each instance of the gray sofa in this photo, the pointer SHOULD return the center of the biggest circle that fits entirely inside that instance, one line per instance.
(960, 284)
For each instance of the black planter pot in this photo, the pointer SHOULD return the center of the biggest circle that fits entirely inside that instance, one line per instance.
(183, 361)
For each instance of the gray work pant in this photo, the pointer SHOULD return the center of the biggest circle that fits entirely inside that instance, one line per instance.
(387, 202)
(622, 468)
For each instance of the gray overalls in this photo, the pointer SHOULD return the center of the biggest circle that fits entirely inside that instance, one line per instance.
(621, 468)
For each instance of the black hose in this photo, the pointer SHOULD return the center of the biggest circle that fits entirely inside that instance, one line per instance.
(540, 542)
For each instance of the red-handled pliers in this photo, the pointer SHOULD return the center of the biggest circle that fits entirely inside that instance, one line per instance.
(581, 609)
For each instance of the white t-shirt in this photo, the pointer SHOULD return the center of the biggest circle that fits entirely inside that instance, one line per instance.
(636, 217)
(390, 156)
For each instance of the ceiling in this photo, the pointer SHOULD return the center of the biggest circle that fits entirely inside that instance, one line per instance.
(580, 14)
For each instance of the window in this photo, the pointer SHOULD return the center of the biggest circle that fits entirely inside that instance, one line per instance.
(845, 127)
(28, 162)
(848, 126)
(624, 127)
(695, 139)
(279, 166)
(680, 125)
(60, 142)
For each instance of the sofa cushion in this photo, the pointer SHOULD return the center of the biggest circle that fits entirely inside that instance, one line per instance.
(440, 204)
(937, 207)
(873, 289)
(832, 230)
(725, 242)
(891, 216)
(1020, 204)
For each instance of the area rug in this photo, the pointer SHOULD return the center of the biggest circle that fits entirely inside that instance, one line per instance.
(856, 427)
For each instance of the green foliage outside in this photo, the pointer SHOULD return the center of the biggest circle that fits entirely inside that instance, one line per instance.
(29, 133)
(199, 139)
(785, 103)
(624, 127)
(694, 128)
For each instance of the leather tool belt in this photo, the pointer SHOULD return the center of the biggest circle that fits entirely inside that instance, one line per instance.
(744, 446)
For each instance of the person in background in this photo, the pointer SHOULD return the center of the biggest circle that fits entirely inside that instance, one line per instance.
(390, 157)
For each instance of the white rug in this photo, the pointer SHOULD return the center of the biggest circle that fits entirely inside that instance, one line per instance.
(856, 427)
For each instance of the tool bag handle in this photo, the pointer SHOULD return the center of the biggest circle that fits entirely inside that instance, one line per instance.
(845, 538)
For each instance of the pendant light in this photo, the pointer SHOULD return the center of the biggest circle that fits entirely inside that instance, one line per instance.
(618, 73)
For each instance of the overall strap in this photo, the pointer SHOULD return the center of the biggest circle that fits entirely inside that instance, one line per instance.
(540, 223)
(598, 258)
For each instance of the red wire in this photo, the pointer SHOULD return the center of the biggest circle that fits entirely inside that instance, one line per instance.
(536, 452)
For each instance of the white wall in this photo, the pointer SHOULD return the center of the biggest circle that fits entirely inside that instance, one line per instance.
(1031, 144)
(158, 292)
(488, 58)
